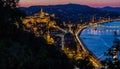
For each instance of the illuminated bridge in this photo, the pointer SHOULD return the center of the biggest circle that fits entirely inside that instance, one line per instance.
(82, 51)
(109, 26)
(43, 20)
(81, 46)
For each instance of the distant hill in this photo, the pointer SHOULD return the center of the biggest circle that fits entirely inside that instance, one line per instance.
(113, 9)
(58, 8)
(71, 12)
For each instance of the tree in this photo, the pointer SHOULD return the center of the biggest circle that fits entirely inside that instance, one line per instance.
(113, 61)
(84, 64)
(22, 50)
(10, 3)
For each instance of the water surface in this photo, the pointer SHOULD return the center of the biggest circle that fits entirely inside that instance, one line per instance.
(100, 40)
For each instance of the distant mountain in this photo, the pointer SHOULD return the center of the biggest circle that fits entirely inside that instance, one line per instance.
(113, 9)
(71, 12)
(54, 8)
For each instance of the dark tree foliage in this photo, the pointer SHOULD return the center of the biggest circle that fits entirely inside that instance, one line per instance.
(84, 64)
(22, 50)
(9, 15)
(10, 3)
(112, 62)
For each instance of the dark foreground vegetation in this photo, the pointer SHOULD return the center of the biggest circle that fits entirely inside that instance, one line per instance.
(22, 50)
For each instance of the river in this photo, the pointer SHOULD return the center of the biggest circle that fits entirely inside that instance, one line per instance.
(100, 40)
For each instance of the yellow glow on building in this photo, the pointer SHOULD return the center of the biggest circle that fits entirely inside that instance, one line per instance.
(81, 55)
(38, 21)
(70, 55)
(49, 39)
(52, 24)
(32, 20)
(42, 14)
(35, 28)
(52, 15)
(28, 26)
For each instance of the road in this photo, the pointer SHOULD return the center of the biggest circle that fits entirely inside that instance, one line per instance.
(95, 61)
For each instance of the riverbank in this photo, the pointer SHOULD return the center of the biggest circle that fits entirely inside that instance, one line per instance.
(98, 42)
(93, 58)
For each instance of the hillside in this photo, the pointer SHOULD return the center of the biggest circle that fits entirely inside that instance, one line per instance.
(72, 12)
(113, 9)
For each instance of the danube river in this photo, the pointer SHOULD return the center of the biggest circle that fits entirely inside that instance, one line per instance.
(100, 39)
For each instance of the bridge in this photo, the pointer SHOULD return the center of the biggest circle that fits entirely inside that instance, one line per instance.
(96, 62)
(109, 26)
(81, 48)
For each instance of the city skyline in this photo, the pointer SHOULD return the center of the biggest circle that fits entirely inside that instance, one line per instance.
(92, 3)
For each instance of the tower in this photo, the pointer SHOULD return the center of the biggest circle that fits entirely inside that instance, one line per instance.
(93, 19)
(42, 14)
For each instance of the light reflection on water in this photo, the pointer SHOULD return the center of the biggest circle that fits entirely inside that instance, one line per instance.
(98, 41)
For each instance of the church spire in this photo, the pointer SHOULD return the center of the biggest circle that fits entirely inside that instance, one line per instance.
(42, 14)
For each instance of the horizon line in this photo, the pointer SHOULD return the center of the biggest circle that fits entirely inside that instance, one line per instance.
(68, 4)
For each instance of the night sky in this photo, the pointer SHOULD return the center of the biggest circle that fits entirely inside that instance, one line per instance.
(92, 3)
